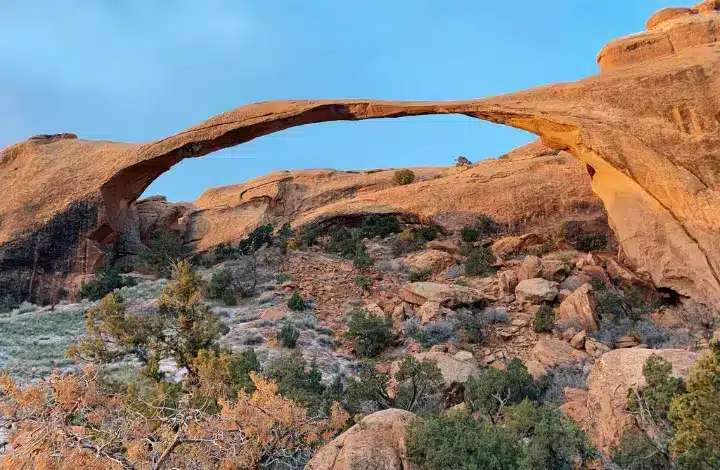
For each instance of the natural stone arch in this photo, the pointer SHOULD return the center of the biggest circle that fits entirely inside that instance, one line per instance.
(601, 131)
(648, 127)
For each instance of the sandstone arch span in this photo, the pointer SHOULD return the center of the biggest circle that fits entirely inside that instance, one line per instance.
(648, 126)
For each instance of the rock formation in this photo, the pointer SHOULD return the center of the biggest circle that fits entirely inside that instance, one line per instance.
(377, 442)
(602, 410)
(645, 128)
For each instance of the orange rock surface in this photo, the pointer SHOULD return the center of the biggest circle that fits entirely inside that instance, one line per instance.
(646, 128)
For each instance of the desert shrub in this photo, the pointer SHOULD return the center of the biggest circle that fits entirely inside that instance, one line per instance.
(469, 234)
(462, 161)
(473, 324)
(426, 233)
(529, 437)
(413, 239)
(636, 451)
(379, 226)
(183, 327)
(419, 386)
(363, 282)
(420, 275)
(651, 334)
(107, 279)
(494, 316)
(344, 242)
(435, 333)
(362, 259)
(162, 252)
(225, 251)
(288, 335)
(696, 415)
(260, 236)
(403, 177)
(544, 319)
(457, 441)
(371, 333)
(149, 427)
(479, 262)
(296, 302)
(8, 303)
(302, 382)
(489, 392)
(611, 330)
(552, 385)
(220, 287)
(588, 242)
(305, 238)
(632, 304)
(484, 227)
(412, 326)
(238, 278)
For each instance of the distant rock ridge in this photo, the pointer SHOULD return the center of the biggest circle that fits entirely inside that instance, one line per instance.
(646, 130)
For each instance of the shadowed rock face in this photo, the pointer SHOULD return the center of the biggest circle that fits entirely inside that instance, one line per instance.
(646, 128)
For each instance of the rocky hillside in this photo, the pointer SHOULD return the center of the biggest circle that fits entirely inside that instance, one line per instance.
(531, 187)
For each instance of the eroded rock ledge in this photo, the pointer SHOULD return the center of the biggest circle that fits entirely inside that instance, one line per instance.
(647, 133)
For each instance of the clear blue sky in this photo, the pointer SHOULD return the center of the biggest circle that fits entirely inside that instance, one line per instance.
(137, 70)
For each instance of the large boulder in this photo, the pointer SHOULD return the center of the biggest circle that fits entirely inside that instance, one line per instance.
(377, 442)
(511, 245)
(605, 416)
(549, 352)
(536, 290)
(431, 260)
(447, 295)
(455, 369)
(578, 309)
(531, 267)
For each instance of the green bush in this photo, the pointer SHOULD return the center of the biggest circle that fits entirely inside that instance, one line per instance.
(696, 415)
(484, 227)
(344, 242)
(459, 442)
(107, 279)
(473, 324)
(420, 275)
(479, 262)
(302, 382)
(362, 259)
(462, 161)
(259, 237)
(371, 333)
(296, 302)
(363, 282)
(403, 177)
(162, 251)
(220, 286)
(434, 333)
(527, 437)
(379, 226)
(489, 392)
(419, 387)
(588, 242)
(410, 240)
(288, 335)
(469, 234)
(638, 452)
(544, 319)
